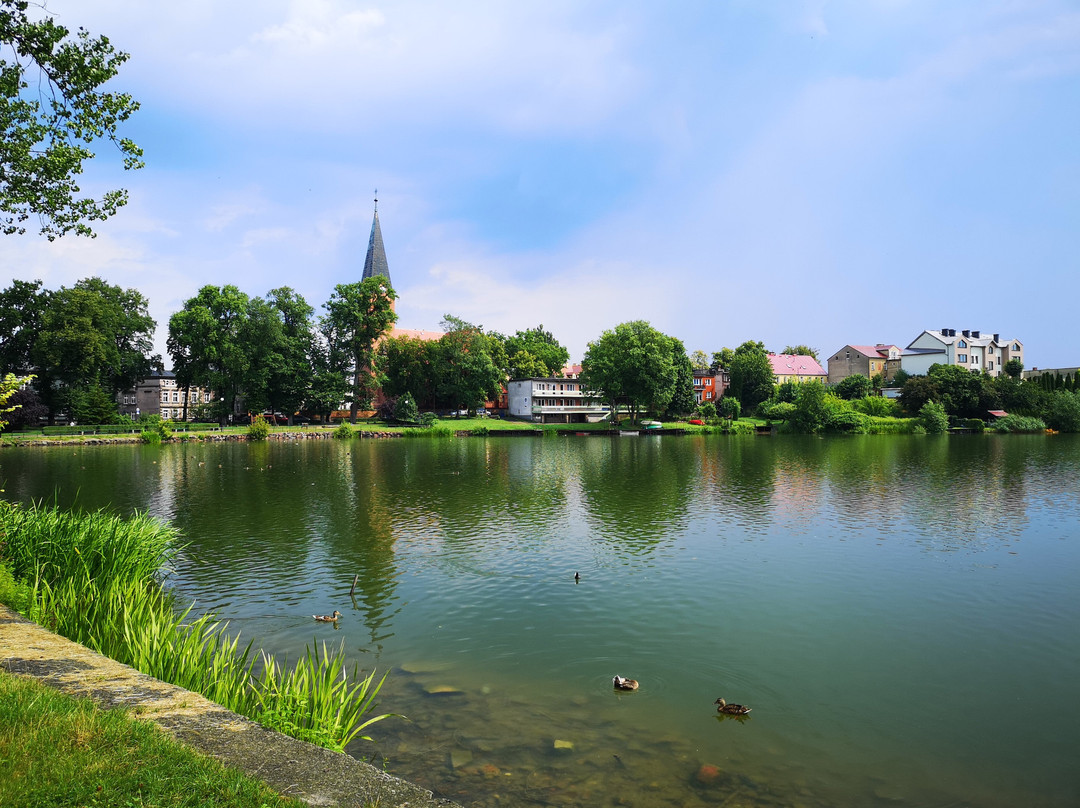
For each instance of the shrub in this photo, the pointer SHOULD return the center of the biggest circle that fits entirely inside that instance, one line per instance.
(406, 410)
(428, 419)
(849, 422)
(777, 410)
(480, 431)
(344, 432)
(729, 407)
(706, 410)
(855, 386)
(736, 428)
(1064, 412)
(933, 418)
(429, 432)
(259, 429)
(975, 424)
(1019, 423)
(878, 406)
(153, 437)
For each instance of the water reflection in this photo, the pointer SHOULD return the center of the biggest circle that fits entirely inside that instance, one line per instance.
(825, 582)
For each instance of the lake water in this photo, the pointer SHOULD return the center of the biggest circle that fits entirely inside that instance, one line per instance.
(902, 613)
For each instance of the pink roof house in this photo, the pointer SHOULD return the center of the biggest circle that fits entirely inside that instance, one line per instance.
(796, 368)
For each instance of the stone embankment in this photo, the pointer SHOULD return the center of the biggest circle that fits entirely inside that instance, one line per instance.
(290, 767)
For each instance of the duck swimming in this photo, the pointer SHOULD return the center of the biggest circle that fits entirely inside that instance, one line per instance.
(328, 618)
(622, 683)
(730, 709)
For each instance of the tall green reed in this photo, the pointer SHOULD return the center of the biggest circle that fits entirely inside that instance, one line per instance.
(81, 590)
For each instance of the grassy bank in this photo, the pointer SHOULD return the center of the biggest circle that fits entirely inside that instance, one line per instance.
(95, 579)
(58, 750)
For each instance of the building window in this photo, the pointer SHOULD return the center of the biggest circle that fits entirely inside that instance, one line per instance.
(974, 359)
(961, 344)
(990, 365)
(962, 358)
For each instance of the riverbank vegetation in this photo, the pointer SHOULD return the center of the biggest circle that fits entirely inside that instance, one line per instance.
(96, 579)
(59, 750)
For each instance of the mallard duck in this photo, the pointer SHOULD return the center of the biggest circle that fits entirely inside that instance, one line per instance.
(328, 618)
(730, 709)
(622, 683)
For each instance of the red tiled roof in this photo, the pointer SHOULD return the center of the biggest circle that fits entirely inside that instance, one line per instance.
(795, 365)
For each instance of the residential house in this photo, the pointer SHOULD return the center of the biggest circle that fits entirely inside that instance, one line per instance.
(553, 400)
(710, 385)
(866, 360)
(161, 395)
(969, 349)
(796, 368)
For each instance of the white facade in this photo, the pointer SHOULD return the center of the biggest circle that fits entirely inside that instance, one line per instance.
(552, 401)
(968, 349)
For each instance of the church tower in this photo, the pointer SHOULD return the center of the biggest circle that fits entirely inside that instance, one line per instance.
(375, 262)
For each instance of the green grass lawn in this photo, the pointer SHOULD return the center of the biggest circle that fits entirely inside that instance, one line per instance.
(59, 750)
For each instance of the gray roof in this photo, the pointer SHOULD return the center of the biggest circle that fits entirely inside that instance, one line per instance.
(375, 262)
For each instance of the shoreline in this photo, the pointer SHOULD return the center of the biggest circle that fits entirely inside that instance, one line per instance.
(290, 767)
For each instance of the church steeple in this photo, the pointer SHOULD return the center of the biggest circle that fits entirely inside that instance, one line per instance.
(375, 262)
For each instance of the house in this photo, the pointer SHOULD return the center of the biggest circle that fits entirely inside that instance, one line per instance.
(161, 395)
(796, 368)
(866, 360)
(552, 400)
(968, 349)
(709, 385)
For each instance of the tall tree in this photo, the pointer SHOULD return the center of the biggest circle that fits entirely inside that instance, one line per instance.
(206, 342)
(22, 306)
(800, 350)
(542, 346)
(752, 376)
(278, 341)
(632, 364)
(699, 360)
(53, 112)
(409, 368)
(683, 399)
(360, 314)
(466, 372)
(95, 340)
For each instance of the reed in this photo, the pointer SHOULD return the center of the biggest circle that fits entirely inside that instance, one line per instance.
(94, 579)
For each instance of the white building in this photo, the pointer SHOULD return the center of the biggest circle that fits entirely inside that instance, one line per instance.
(968, 349)
(553, 400)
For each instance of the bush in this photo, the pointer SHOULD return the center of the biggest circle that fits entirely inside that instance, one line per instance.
(1019, 423)
(975, 424)
(479, 431)
(933, 418)
(877, 406)
(849, 422)
(429, 432)
(1064, 412)
(428, 419)
(344, 432)
(406, 410)
(736, 428)
(259, 429)
(729, 407)
(853, 387)
(706, 410)
(777, 410)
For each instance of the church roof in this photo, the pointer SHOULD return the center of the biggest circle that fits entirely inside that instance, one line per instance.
(375, 262)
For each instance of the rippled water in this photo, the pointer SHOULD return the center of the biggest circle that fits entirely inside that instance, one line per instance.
(901, 613)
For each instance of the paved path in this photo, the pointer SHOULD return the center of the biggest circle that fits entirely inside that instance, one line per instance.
(291, 767)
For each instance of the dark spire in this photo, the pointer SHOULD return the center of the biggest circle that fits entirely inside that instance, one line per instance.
(375, 262)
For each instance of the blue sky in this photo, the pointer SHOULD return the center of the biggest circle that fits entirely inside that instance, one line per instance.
(793, 172)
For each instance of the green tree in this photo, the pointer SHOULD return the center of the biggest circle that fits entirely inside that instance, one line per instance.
(1013, 368)
(409, 366)
(406, 410)
(541, 345)
(729, 407)
(634, 365)
(466, 374)
(94, 341)
(933, 418)
(360, 314)
(800, 350)
(812, 411)
(683, 399)
(853, 387)
(206, 343)
(722, 359)
(9, 387)
(751, 374)
(916, 392)
(1063, 413)
(523, 365)
(278, 340)
(699, 360)
(22, 306)
(53, 112)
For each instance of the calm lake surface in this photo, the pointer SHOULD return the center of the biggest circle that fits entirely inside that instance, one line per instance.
(902, 613)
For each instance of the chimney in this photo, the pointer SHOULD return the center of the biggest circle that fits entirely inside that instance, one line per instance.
(997, 337)
(966, 333)
(975, 334)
